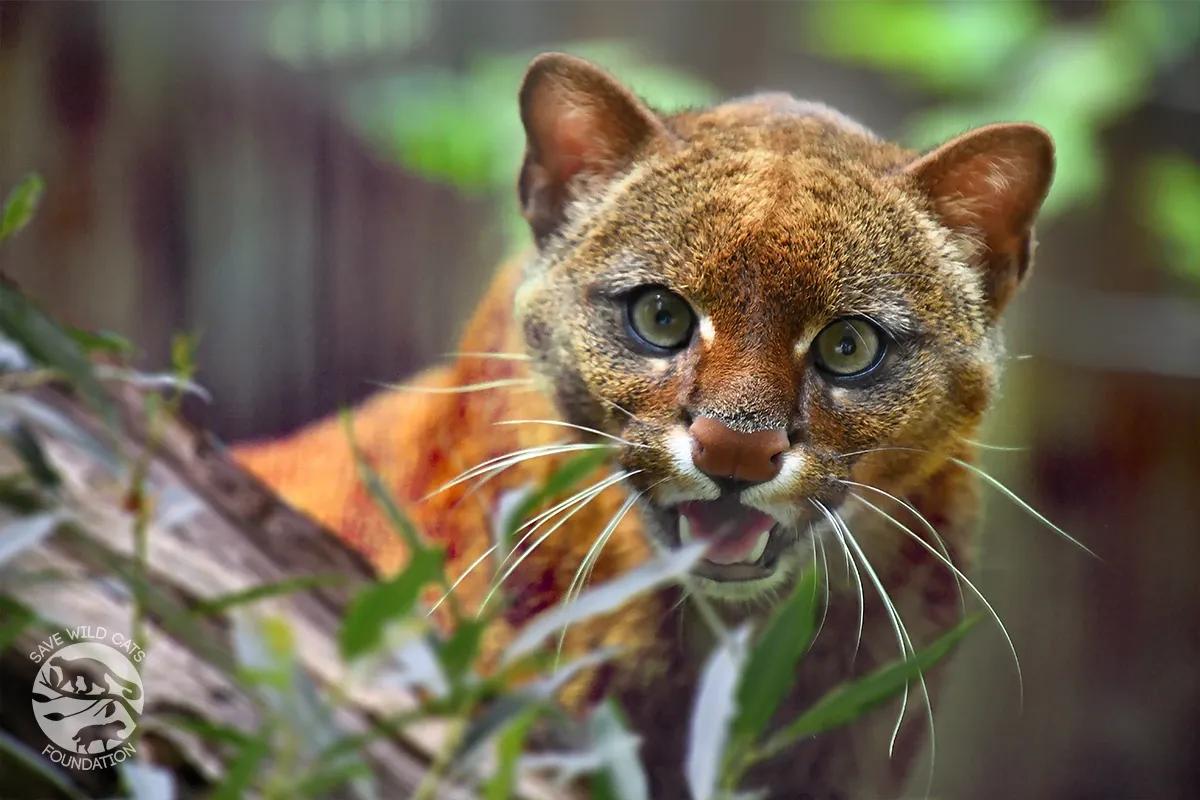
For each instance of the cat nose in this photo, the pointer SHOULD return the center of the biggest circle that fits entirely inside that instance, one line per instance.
(722, 452)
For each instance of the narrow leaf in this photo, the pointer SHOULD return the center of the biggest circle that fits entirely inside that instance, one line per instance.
(378, 605)
(27, 532)
(771, 667)
(606, 597)
(379, 493)
(20, 205)
(458, 652)
(509, 745)
(50, 345)
(712, 711)
(848, 702)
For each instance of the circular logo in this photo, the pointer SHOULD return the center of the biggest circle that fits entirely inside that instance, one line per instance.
(87, 698)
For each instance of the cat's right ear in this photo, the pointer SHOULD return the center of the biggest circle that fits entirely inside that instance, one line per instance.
(580, 124)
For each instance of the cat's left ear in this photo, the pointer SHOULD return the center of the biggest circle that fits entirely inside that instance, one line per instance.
(989, 184)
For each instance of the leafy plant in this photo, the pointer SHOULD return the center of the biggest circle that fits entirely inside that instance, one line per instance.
(388, 634)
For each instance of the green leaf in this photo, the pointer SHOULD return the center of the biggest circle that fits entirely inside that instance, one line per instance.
(33, 763)
(770, 670)
(382, 603)
(23, 442)
(458, 652)
(509, 745)
(322, 782)
(14, 619)
(239, 777)
(20, 205)
(848, 702)
(106, 342)
(379, 493)
(50, 345)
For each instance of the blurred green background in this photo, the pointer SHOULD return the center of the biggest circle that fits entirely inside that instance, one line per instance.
(320, 191)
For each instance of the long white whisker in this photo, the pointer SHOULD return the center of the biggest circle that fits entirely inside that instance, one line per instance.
(995, 482)
(1011, 495)
(462, 577)
(825, 568)
(482, 386)
(535, 522)
(937, 537)
(580, 505)
(1001, 448)
(963, 579)
(561, 424)
(862, 610)
(493, 356)
(905, 642)
(500, 463)
(584, 571)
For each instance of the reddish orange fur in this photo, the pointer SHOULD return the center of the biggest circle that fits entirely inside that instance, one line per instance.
(771, 217)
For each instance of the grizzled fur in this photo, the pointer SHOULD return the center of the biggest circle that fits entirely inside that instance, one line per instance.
(772, 218)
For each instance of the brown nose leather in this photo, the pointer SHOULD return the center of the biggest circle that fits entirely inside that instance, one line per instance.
(722, 452)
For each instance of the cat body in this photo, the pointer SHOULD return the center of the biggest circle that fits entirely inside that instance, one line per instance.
(786, 331)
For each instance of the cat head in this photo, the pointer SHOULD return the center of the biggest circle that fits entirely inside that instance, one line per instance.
(764, 300)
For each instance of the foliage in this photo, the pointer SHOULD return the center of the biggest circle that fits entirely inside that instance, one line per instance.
(387, 635)
(1013, 61)
(460, 127)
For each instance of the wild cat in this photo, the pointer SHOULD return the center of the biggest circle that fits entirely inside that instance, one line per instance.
(783, 330)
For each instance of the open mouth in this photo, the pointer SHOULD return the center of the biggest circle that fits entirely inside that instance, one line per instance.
(744, 543)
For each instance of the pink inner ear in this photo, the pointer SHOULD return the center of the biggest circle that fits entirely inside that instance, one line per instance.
(570, 146)
(575, 145)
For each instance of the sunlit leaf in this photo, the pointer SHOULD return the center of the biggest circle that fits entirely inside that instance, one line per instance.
(19, 206)
(385, 602)
(608, 596)
(106, 342)
(623, 775)
(713, 709)
(24, 533)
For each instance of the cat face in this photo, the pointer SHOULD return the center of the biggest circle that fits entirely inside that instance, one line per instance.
(764, 302)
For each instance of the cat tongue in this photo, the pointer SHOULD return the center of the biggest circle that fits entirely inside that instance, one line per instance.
(733, 529)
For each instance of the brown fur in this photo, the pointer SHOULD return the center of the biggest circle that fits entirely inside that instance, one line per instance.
(772, 217)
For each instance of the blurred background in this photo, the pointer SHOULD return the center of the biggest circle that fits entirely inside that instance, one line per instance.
(318, 191)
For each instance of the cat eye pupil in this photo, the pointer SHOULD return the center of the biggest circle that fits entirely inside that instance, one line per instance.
(848, 348)
(659, 320)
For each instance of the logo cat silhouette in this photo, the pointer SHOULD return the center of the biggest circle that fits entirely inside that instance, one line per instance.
(92, 674)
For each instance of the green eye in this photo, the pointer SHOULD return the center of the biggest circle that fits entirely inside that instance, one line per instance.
(848, 347)
(660, 318)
